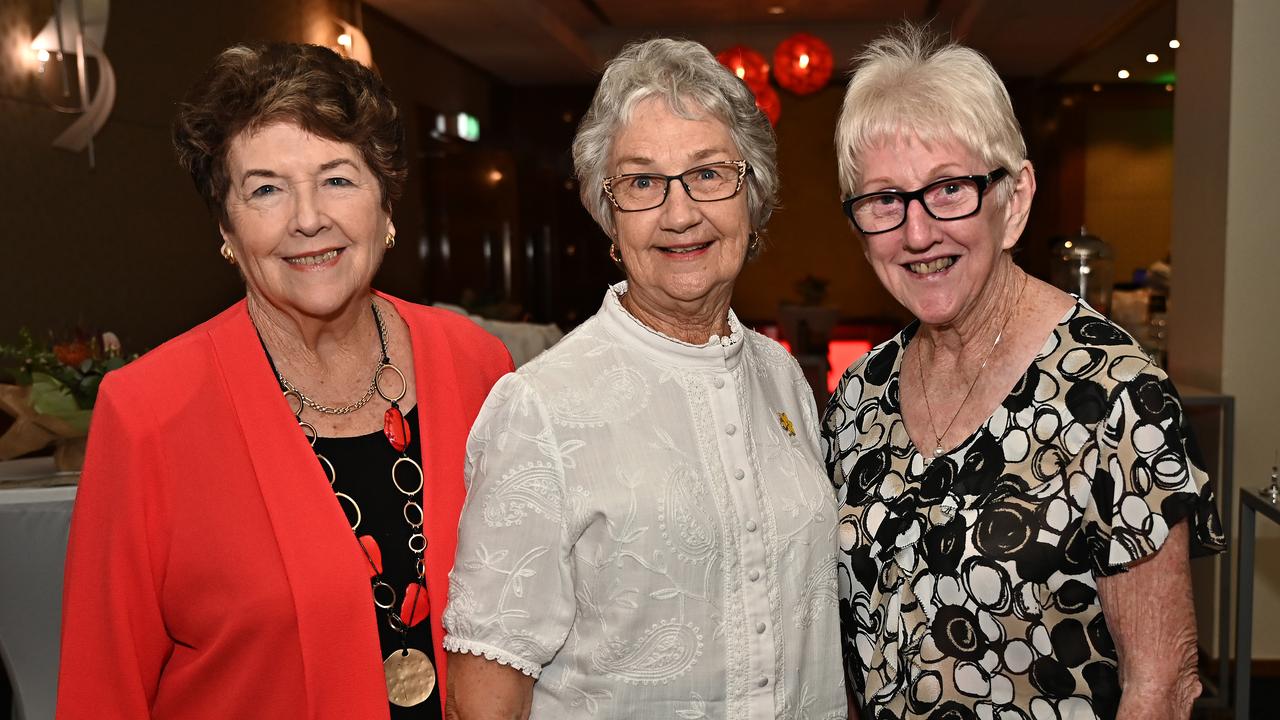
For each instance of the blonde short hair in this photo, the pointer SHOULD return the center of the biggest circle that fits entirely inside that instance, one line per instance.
(909, 82)
(689, 78)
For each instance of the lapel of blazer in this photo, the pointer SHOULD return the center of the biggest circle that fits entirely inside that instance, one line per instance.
(322, 561)
(442, 430)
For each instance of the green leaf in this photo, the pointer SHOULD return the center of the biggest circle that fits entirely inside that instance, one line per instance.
(49, 396)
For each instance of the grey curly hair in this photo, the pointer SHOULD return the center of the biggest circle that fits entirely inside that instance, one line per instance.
(692, 81)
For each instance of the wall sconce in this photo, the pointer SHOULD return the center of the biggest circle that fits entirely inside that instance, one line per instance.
(79, 27)
(353, 44)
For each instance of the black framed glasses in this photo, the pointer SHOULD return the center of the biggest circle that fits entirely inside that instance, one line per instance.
(950, 198)
(633, 192)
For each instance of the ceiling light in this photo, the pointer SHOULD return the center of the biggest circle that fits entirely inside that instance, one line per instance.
(1123, 74)
(1152, 57)
(1173, 44)
(1168, 87)
(775, 10)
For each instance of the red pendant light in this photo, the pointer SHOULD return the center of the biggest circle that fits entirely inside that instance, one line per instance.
(803, 63)
(747, 64)
(767, 100)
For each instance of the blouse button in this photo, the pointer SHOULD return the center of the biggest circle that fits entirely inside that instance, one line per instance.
(738, 474)
(730, 429)
(762, 682)
(718, 382)
(751, 526)
(754, 575)
(760, 628)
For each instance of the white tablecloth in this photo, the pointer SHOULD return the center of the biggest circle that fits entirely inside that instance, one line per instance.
(33, 546)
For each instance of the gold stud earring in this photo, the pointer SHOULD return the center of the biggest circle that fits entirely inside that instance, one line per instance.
(389, 241)
(613, 253)
(227, 253)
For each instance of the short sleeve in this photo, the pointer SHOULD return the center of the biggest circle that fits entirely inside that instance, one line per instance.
(1147, 479)
(511, 590)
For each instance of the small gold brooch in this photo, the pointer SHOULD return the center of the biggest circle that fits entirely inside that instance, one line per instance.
(785, 422)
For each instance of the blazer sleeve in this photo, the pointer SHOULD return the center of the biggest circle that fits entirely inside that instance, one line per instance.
(114, 642)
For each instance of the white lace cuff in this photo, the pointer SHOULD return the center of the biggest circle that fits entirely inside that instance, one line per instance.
(489, 652)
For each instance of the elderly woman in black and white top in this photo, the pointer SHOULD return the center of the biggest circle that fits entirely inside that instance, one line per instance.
(648, 531)
(1017, 483)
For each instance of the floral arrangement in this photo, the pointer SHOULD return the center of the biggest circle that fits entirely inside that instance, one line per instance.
(52, 388)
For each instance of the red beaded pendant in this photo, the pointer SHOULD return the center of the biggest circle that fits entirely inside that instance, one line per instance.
(416, 606)
(396, 429)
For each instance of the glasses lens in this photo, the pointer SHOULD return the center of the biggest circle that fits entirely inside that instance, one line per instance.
(952, 198)
(877, 213)
(639, 192)
(712, 182)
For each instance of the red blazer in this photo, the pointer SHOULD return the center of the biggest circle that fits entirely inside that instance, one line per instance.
(210, 573)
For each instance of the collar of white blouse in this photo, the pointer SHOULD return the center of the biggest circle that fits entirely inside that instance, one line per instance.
(717, 352)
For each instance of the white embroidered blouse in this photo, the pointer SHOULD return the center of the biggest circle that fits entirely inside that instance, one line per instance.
(649, 530)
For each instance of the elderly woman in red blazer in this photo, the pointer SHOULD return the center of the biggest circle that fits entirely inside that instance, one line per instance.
(267, 515)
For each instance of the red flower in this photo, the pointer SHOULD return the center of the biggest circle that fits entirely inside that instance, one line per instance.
(72, 354)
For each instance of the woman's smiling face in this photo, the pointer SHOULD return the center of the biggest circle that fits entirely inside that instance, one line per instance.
(937, 269)
(305, 219)
(682, 251)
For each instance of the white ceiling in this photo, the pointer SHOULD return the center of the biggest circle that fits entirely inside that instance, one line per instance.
(557, 42)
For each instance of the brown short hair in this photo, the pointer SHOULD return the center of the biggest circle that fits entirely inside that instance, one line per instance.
(312, 86)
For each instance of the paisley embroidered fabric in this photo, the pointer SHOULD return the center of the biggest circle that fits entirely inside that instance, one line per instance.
(649, 531)
(968, 585)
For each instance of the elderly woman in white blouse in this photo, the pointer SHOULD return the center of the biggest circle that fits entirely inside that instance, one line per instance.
(648, 531)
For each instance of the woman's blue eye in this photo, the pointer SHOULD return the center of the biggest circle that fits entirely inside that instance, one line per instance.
(337, 182)
(642, 183)
(264, 191)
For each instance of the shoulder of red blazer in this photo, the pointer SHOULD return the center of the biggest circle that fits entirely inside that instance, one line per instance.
(153, 376)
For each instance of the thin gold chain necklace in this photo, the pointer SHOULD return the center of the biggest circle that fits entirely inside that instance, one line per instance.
(346, 409)
(937, 437)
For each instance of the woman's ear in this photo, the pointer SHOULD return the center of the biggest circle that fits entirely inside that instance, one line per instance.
(1018, 208)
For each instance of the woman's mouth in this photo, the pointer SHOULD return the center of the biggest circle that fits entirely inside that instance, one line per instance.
(306, 261)
(933, 266)
(685, 249)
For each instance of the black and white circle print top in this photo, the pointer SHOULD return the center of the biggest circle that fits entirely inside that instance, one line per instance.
(967, 584)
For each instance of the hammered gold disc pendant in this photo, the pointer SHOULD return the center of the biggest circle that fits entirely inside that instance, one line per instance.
(410, 677)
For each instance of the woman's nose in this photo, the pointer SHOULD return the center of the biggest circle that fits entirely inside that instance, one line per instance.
(919, 230)
(680, 212)
(308, 214)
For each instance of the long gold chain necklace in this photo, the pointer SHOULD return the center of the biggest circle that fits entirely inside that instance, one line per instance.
(409, 673)
(937, 437)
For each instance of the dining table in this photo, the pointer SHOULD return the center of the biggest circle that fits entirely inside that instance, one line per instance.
(35, 518)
